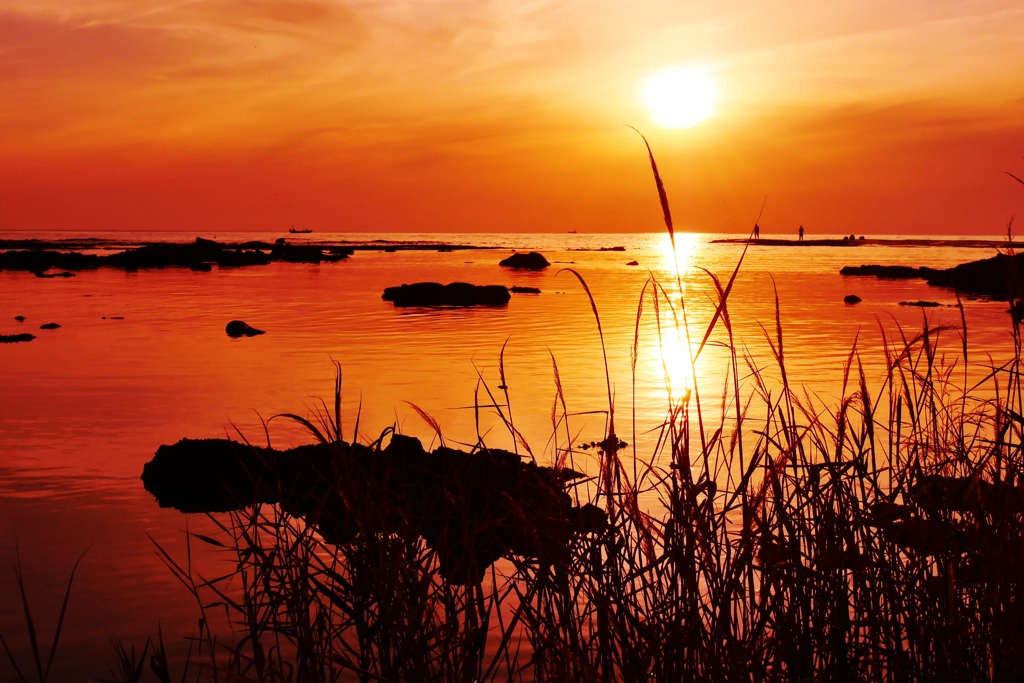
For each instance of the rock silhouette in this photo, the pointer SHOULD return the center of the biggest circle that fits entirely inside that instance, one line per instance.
(530, 261)
(471, 508)
(633, 263)
(524, 290)
(852, 299)
(921, 304)
(239, 328)
(20, 318)
(997, 277)
(454, 294)
(200, 255)
(15, 338)
(49, 326)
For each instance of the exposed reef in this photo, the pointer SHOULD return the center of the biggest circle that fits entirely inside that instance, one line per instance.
(471, 508)
(455, 294)
(15, 338)
(200, 255)
(997, 277)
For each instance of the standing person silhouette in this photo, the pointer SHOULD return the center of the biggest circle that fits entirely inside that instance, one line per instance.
(801, 233)
(757, 231)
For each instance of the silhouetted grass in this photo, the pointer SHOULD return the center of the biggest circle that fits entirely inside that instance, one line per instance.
(879, 539)
(770, 538)
(42, 667)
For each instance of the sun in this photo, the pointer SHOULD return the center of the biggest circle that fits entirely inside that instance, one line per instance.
(680, 98)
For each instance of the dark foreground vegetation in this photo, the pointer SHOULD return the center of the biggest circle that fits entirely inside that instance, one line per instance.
(767, 537)
(772, 539)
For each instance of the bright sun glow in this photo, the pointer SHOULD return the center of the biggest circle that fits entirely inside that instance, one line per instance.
(680, 98)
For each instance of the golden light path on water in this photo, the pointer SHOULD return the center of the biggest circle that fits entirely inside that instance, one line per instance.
(668, 354)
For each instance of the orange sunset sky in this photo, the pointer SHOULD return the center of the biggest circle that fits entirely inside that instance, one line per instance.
(507, 115)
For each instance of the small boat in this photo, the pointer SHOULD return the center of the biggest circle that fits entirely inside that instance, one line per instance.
(299, 232)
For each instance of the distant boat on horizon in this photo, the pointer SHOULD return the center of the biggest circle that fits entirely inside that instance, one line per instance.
(299, 232)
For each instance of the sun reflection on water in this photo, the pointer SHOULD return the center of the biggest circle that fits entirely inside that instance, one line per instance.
(667, 348)
(687, 246)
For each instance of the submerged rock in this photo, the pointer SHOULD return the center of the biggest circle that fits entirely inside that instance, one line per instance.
(852, 299)
(883, 272)
(49, 326)
(239, 328)
(530, 261)
(471, 508)
(15, 338)
(454, 294)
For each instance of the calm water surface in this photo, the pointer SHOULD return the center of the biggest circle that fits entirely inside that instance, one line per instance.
(82, 408)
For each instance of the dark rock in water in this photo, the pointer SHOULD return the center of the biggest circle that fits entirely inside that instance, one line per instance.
(633, 263)
(279, 240)
(14, 338)
(48, 275)
(454, 294)
(49, 326)
(524, 290)
(20, 318)
(239, 328)
(531, 261)
(997, 277)
(852, 299)
(612, 249)
(390, 250)
(470, 508)
(341, 251)
(921, 304)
